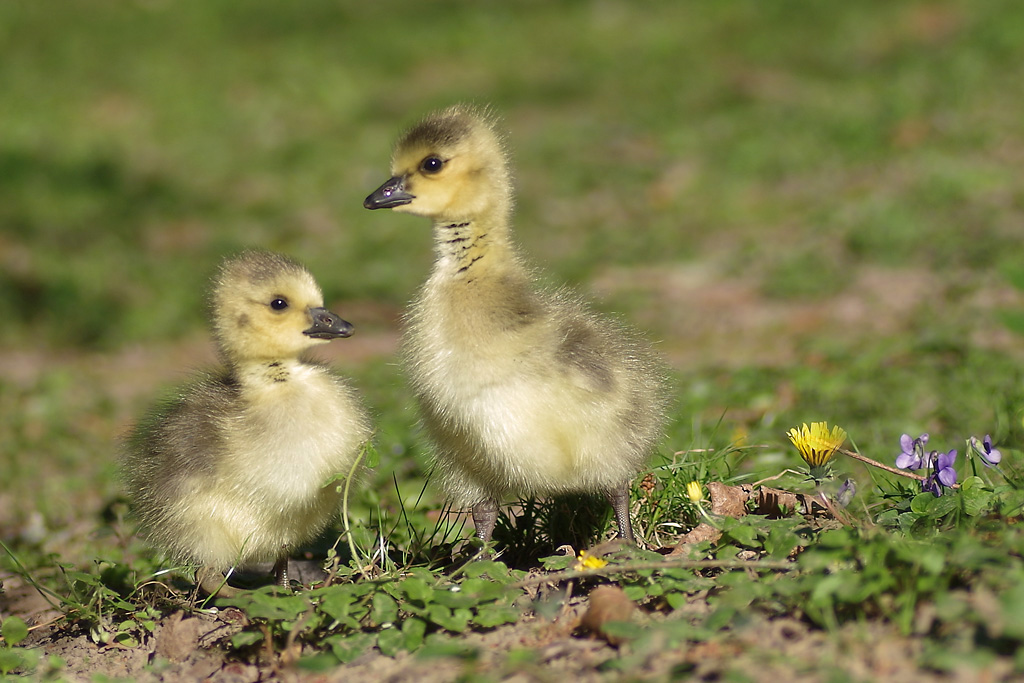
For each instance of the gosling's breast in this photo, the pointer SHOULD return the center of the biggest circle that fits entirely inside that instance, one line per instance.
(293, 434)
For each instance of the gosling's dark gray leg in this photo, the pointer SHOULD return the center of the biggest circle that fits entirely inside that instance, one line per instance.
(213, 583)
(281, 572)
(485, 515)
(619, 499)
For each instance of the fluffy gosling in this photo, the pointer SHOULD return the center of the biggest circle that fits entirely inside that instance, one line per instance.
(233, 469)
(523, 391)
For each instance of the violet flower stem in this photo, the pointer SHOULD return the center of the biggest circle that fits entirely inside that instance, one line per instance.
(875, 463)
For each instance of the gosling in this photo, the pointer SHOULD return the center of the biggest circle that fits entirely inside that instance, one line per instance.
(523, 391)
(235, 469)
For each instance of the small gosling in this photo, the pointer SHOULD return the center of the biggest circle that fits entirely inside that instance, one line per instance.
(523, 391)
(233, 469)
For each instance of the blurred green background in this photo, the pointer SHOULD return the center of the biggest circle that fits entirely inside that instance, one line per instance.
(815, 209)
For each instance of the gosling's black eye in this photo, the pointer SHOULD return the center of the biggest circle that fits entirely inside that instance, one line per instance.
(431, 165)
(279, 304)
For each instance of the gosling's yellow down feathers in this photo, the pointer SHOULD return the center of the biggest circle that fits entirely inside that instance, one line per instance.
(233, 469)
(522, 390)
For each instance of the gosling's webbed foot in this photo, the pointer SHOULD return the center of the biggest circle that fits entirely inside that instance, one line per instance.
(214, 583)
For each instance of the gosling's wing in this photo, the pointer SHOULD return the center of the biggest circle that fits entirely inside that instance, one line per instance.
(591, 350)
(601, 355)
(586, 356)
(180, 438)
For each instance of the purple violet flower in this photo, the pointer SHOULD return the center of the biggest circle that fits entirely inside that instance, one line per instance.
(992, 455)
(931, 485)
(944, 468)
(913, 456)
(989, 456)
(846, 493)
(943, 474)
(941, 465)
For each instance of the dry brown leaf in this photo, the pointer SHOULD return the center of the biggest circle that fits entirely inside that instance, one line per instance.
(728, 501)
(701, 532)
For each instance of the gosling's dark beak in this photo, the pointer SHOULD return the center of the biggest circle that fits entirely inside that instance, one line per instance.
(327, 325)
(389, 195)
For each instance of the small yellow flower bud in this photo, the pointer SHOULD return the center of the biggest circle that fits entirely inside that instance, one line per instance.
(695, 492)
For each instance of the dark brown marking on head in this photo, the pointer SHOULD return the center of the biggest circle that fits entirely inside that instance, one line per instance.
(443, 130)
(256, 266)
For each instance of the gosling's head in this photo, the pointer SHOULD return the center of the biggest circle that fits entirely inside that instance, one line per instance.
(266, 306)
(449, 167)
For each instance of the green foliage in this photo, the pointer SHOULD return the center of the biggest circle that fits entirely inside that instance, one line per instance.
(104, 600)
(13, 631)
(538, 526)
(967, 507)
(393, 614)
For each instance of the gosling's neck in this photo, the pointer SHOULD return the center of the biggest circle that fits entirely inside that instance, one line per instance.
(471, 248)
(266, 373)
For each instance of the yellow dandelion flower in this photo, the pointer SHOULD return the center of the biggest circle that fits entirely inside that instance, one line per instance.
(587, 561)
(817, 444)
(695, 492)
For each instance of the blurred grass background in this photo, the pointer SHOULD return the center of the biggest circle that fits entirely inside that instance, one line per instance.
(817, 210)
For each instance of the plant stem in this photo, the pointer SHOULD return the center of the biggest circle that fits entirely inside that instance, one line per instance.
(777, 476)
(344, 510)
(875, 463)
(23, 572)
(565, 575)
